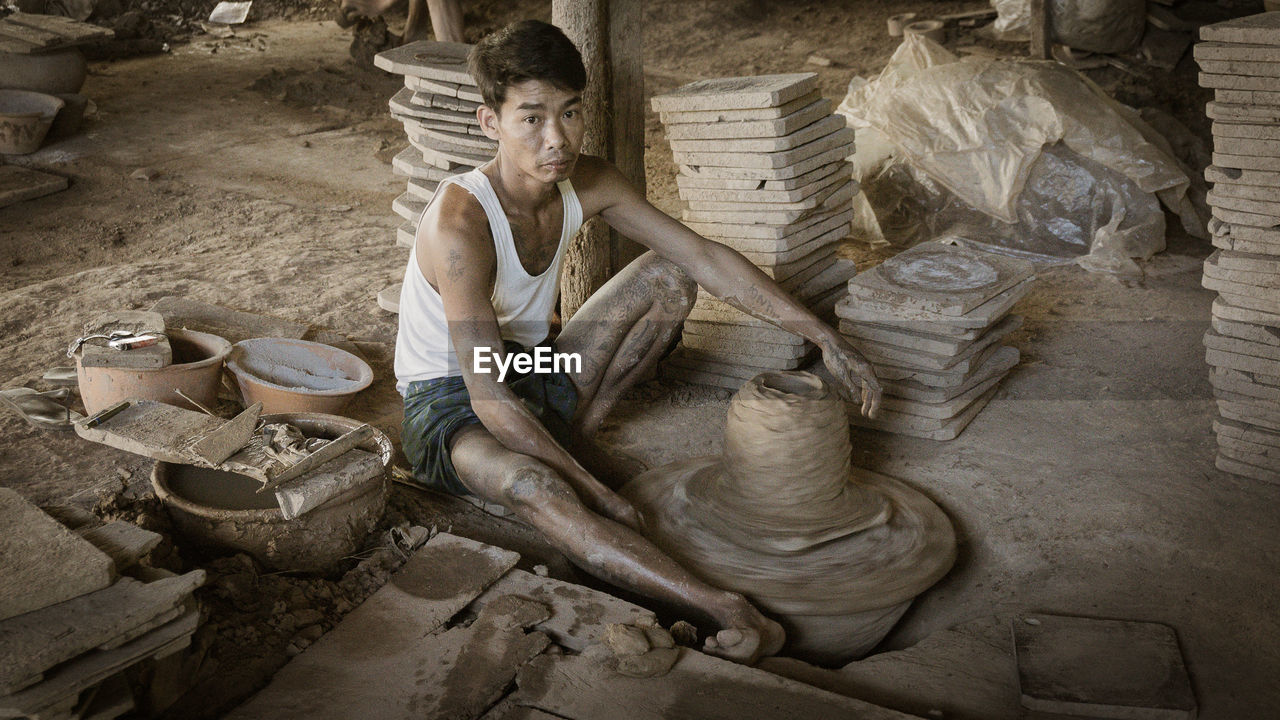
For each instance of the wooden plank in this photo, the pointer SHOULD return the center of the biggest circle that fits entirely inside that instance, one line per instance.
(370, 662)
(698, 687)
(123, 542)
(36, 641)
(68, 31)
(19, 183)
(89, 669)
(41, 39)
(579, 614)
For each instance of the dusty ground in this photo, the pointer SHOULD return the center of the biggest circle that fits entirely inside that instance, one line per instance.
(1086, 487)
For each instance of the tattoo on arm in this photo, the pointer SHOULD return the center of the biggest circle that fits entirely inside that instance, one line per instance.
(455, 265)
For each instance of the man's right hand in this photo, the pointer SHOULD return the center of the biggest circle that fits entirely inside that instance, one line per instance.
(613, 506)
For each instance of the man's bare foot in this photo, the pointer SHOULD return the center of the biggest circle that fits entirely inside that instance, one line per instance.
(747, 635)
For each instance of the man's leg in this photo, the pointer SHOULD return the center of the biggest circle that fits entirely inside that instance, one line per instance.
(622, 330)
(606, 549)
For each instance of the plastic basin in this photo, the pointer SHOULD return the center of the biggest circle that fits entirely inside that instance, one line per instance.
(288, 375)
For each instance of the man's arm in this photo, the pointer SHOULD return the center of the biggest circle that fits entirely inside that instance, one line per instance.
(463, 268)
(726, 274)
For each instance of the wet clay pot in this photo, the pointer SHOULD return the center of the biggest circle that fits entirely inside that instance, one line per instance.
(219, 509)
(196, 371)
(834, 553)
(60, 71)
(288, 375)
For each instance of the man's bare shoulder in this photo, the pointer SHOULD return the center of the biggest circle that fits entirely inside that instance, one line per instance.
(455, 220)
(598, 184)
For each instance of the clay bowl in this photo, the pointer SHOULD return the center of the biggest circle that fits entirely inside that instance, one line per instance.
(218, 509)
(196, 371)
(60, 71)
(25, 119)
(288, 375)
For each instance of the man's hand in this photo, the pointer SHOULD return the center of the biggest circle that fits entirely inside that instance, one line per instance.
(613, 506)
(851, 370)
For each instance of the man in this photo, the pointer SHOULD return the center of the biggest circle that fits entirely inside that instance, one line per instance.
(484, 273)
(445, 16)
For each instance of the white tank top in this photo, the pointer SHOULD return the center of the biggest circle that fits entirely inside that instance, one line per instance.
(524, 303)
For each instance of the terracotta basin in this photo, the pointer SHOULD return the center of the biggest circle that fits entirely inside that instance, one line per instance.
(25, 119)
(218, 509)
(196, 371)
(60, 71)
(288, 375)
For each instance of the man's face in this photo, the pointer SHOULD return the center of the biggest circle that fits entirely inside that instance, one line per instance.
(539, 129)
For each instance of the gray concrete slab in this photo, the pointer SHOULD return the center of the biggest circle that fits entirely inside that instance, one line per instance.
(826, 239)
(1251, 332)
(1246, 192)
(833, 198)
(719, 331)
(995, 364)
(1246, 96)
(441, 61)
(43, 563)
(1243, 112)
(1253, 472)
(835, 188)
(699, 182)
(737, 93)
(1228, 242)
(1260, 29)
(409, 162)
(793, 170)
(921, 427)
(1241, 217)
(984, 315)
(702, 117)
(967, 359)
(1245, 130)
(1246, 146)
(409, 206)
(1241, 67)
(1230, 202)
(774, 143)
(1247, 262)
(940, 278)
(733, 130)
(825, 176)
(787, 236)
(19, 183)
(1236, 52)
(839, 141)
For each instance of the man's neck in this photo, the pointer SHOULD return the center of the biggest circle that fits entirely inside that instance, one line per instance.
(520, 193)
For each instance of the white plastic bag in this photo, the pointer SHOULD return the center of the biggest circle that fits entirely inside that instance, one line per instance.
(1028, 156)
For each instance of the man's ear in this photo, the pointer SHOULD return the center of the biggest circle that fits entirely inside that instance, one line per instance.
(488, 121)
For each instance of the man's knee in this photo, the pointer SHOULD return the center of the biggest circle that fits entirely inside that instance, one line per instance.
(532, 486)
(671, 286)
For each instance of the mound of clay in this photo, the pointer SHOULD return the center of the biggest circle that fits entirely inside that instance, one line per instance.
(834, 552)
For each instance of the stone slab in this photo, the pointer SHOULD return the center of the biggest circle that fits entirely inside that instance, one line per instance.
(43, 563)
(1252, 297)
(722, 332)
(1246, 262)
(1086, 667)
(1246, 146)
(1232, 202)
(123, 542)
(769, 144)
(579, 615)
(785, 237)
(369, 662)
(694, 357)
(441, 61)
(884, 354)
(795, 169)
(418, 125)
(37, 641)
(1242, 469)
(1244, 96)
(389, 298)
(823, 271)
(689, 182)
(1260, 29)
(422, 95)
(409, 162)
(1245, 162)
(1247, 433)
(940, 278)
(1251, 332)
(949, 379)
(1246, 130)
(1261, 456)
(96, 353)
(459, 154)
(941, 410)
(1247, 412)
(1246, 192)
(423, 190)
(742, 346)
(839, 141)
(410, 207)
(68, 680)
(406, 234)
(234, 325)
(1236, 346)
(833, 198)
(830, 175)
(994, 365)
(905, 338)
(1243, 112)
(1228, 242)
(827, 239)
(1243, 383)
(1241, 362)
(449, 138)
(984, 315)
(19, 183)
(403, 106)
(736, 93)
(829, 191)
(1236, 52)
(708, 117)
(719, 312)
(1262, 281)
(697, 686)
(739, 130)
(924, 428)
(1254, 234)
(1241, 67)
(1241, 217)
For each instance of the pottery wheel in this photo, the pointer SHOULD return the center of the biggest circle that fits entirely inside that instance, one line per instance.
(941, 272)
(878, 567)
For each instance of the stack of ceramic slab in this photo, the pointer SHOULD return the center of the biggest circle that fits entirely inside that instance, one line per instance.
(438, 109)
(762, 168)
(1240, 60)
(931, 320)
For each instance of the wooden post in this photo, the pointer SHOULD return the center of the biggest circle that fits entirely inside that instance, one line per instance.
(1041, 30)
(607, 32)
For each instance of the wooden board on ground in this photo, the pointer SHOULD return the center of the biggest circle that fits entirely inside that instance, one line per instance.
(19, 183)
(579, 614)
(234, 325)
(38, 32)
(698, 687)
(123, 542)
(370, 661)
(41, 562)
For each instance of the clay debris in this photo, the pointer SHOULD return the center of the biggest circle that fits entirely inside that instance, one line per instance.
(1238, 59)
(763, 171)
(931, 320)
(437, 107)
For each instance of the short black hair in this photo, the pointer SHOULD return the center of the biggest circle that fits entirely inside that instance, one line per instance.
(525, 50)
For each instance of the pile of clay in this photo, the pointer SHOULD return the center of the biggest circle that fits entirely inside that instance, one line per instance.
(835, 553)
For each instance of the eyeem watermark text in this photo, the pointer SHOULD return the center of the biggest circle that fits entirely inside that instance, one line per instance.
(541, 360)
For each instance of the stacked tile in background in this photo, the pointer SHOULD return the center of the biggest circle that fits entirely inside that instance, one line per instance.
(931, 320)
(762, 168)
(438, 108)
(1240, 60)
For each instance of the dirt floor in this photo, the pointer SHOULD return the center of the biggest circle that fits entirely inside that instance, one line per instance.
(1086, 487)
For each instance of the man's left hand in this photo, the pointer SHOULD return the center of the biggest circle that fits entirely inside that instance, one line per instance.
(852, 371)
